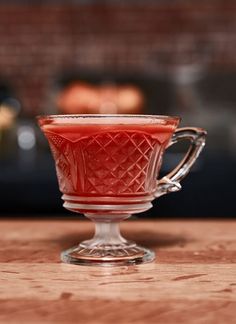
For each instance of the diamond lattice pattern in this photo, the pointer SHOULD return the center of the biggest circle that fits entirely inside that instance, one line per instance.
(117, 162)
(112, 163)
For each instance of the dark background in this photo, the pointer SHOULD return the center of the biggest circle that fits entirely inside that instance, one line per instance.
(180, 54)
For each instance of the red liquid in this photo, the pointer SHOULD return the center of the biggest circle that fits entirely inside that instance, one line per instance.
(119, 160)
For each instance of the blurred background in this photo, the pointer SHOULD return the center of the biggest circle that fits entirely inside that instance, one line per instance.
(147, 57)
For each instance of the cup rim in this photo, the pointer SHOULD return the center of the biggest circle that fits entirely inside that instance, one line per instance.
(115, 116)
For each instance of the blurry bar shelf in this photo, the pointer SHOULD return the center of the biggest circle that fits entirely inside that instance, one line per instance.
(209, 191)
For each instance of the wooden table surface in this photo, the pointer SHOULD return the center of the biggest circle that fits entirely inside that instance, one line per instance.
(193, 279)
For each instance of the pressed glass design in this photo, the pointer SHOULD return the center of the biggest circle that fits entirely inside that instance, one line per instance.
(107, 168)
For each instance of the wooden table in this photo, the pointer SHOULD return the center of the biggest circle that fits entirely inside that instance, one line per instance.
(192, 281)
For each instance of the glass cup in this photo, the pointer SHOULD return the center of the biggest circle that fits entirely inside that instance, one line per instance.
(107, 168)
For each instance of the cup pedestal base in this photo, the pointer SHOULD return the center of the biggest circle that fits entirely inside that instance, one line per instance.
(111, 255)
(108, 247)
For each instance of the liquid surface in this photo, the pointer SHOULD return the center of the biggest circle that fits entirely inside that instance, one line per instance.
(75, 132)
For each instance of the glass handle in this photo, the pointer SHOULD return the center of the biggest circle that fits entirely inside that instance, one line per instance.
(197, 138)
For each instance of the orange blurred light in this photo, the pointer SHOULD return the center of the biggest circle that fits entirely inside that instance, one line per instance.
(83, 98)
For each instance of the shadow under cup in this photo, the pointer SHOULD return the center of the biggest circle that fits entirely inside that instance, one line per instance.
(107, 168)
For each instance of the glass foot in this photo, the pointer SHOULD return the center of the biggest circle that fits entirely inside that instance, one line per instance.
(108, 255)
(107, 248)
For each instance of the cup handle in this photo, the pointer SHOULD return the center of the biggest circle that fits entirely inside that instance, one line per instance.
(197, 138)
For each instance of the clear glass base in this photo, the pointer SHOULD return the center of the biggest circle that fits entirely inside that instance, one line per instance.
(107, 248)
(79, 255)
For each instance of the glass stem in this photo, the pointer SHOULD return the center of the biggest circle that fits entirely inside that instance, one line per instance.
(106, 234)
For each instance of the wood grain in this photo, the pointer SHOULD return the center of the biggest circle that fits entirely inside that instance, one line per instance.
(193, 279)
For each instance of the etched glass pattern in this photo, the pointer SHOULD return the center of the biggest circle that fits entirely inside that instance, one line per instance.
(109, 173)
(111, 163)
